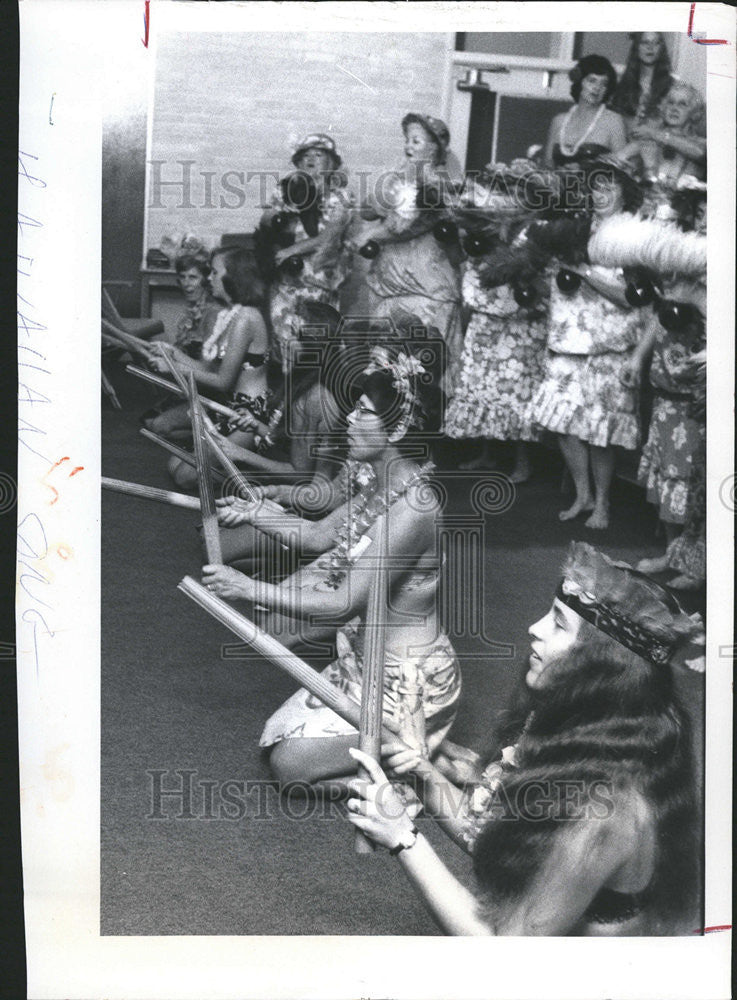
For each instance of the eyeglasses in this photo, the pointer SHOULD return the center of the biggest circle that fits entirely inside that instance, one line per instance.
(360, 410)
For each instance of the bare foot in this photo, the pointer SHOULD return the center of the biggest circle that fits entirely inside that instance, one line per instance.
(578, 507)
(684, 582)
(519, 475)
(658, 565)
(481, 462)
(599, 519)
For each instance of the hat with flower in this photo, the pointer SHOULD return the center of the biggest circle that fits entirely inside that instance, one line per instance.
(435, 127)
(317, 140)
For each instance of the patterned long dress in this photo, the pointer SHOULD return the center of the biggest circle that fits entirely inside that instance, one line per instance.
(415, 275)
(676, 438)
(501, 366)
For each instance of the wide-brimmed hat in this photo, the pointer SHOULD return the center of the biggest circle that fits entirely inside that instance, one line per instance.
(317, 140)
(434, 126)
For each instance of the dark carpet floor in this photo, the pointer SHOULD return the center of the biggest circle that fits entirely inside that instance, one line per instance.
(232, 859)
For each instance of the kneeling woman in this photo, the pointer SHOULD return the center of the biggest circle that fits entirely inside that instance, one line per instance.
(588, 824)
(422, 679)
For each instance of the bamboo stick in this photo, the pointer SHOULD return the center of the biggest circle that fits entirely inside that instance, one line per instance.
(244, 487)
(127, 339)
(175, 450)
(272, 650)
(372, 681)
(210, 528)
(150, 493)
(163, 383)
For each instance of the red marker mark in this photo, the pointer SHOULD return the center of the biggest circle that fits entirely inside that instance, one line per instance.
(63, 552)
(716, 927)
(701, 41)
(146, 20)
(75, 470)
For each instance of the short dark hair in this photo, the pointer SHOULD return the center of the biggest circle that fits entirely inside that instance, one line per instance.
(598, 65)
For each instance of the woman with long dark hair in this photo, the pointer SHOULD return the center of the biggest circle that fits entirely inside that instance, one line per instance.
(646, 78)
(588, 823)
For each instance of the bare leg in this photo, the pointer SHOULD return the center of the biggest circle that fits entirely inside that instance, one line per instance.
(521, 471)
(182, 474)
(657, 565)
(313, 759)
(602, 467)
(576, 455)
(173, 419)
(672, 531)
(685, 582)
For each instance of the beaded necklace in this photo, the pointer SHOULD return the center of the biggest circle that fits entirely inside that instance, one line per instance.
(565, 147)
(368, 506)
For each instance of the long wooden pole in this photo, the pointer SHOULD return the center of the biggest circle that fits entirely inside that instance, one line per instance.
(175, 450)
(372, 680)
(210, 529)
(127, 339)
(150, 493)
(163, 383)
(272, 650)
(245, 490)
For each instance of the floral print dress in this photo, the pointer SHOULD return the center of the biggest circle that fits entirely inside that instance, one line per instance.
(590, 340)
(676, 439)
(501, 366)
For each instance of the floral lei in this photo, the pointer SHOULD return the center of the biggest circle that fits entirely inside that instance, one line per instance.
(368, 506)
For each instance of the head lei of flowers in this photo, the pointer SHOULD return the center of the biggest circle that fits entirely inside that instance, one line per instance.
(405, 371)
(628, 606)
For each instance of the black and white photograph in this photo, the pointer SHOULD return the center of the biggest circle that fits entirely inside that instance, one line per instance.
(375, 565)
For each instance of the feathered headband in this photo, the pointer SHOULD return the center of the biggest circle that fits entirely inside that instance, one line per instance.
(404, 369)
(627, 606)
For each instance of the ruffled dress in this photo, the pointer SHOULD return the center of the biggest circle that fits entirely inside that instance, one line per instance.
(288, 292)
(501, 366)
(590, 340)
(676, 438)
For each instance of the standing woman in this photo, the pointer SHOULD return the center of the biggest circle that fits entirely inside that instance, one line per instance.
(504, 348)
(645, 81)
(309, 211)
(592, 333)
(411, 272)
(394, 412)
(589, 128)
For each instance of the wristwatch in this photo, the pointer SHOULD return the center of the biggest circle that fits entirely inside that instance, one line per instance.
(408, 841)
